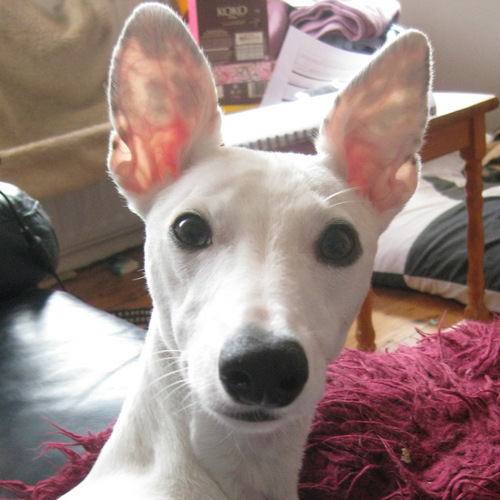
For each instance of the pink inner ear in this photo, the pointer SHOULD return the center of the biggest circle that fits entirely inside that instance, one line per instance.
(385, 185)
(148, 161)
(158, 156)
(360, 162)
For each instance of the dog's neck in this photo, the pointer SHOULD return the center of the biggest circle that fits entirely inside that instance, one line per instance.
(251, 465)
(159, 416)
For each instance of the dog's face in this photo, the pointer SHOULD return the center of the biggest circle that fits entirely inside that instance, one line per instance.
(257, 263)
(268, 243)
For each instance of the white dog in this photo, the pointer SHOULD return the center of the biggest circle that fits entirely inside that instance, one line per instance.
(257, 264)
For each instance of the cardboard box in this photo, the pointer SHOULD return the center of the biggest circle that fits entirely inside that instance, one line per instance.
(234, 36)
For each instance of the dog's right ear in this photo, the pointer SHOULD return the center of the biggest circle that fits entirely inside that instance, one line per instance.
(376, 127)
(163, 104)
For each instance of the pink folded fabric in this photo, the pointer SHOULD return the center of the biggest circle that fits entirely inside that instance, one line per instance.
(277, 16)
(355, 19)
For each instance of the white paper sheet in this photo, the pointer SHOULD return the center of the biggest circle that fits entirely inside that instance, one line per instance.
(305, 63)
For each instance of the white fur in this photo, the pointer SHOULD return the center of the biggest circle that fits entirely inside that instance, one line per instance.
(177, 436)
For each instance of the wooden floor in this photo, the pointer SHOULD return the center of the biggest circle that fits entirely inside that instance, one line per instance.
(396, 313)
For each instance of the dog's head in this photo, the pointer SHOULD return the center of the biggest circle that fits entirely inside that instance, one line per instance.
(257, 263)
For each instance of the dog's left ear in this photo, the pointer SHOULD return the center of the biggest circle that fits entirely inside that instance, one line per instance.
(377, 125)
(163, 104)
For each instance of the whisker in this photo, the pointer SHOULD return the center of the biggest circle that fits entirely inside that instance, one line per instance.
(344, 203)
(338, 193)
(188, 406)
(169, 391)
(168, 375)
(168, 351)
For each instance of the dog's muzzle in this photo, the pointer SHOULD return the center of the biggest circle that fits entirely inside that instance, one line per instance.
(262, 370)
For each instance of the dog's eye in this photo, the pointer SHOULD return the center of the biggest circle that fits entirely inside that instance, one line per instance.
(192, 231)
(339, 244)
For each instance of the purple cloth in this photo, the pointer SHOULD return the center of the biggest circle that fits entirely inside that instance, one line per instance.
(355, 19)
(277, 14)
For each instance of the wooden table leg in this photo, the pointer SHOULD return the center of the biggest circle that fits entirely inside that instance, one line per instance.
(473, 155)
(365, 333)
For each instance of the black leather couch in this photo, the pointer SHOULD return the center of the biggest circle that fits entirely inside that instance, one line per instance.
(60, 360)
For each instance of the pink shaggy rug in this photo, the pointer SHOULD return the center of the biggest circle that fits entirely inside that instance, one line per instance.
(421, 423)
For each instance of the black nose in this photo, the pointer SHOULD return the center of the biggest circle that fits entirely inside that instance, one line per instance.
(258, 368)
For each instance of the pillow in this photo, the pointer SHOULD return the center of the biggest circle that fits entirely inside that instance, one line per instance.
(28, 244)
(424, 248)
